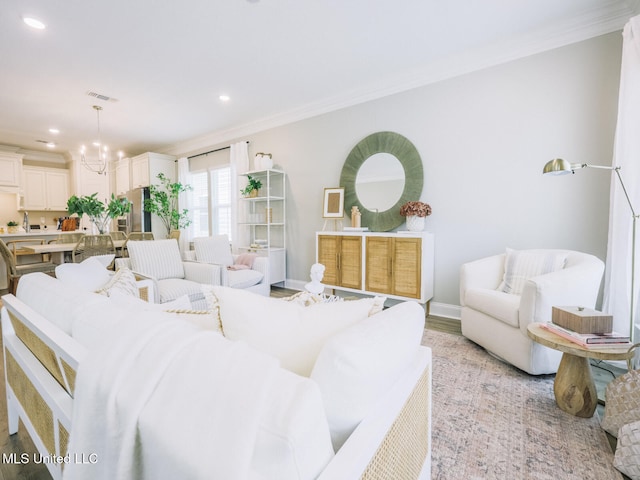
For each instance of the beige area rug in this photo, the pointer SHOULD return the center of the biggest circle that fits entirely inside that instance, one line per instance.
(492, 421)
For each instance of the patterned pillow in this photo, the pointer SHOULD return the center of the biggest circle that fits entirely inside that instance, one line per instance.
(159, 259)
(123, 281)
(525, 264)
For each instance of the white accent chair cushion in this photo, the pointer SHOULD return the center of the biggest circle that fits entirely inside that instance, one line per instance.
(244, 278)
(214, 249)
(159, 259)
(522, 265)
(498, 321)
(359, 364)
(292, 333)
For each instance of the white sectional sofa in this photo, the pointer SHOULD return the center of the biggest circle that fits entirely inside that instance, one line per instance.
(327, 391)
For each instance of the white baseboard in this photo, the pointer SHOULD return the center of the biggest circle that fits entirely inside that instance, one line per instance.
(445, 310)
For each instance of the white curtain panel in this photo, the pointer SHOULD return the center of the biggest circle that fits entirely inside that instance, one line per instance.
(185, 200)
(617, 291)
(239, 164)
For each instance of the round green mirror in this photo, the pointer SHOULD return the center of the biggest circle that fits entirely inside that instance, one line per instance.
(382, 172)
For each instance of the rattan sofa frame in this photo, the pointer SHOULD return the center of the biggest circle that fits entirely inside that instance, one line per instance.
(392, 442)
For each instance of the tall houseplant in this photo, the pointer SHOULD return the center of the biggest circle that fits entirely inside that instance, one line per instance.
(163, 202)
(99, 213)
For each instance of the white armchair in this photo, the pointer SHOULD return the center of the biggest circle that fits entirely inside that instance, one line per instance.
(216, 250)
(497, 321)
(160, 261)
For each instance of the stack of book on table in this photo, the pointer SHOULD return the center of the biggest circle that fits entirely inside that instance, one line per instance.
(586, 327)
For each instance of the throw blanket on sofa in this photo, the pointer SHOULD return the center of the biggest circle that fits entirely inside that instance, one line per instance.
(167, 401)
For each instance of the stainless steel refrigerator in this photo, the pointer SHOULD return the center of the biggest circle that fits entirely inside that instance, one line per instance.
(137, 220)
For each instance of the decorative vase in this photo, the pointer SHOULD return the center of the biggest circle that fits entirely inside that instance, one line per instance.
(253, 193)
(415, 223)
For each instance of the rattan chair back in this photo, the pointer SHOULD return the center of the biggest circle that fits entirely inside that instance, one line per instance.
(16, 270)
(91, 246)
(133, 236)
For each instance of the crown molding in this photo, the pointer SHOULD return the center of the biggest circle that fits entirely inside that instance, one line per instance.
(594, 23)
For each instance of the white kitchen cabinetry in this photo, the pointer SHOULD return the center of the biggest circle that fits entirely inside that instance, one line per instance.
(146, 167)
(261, 222)
(45, 188)
(123, 184)
(10, 171)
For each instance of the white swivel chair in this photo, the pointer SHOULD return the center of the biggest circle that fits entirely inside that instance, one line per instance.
(217, 250)
(497, 321)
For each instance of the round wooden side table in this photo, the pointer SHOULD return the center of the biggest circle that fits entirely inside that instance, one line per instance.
(573, 387)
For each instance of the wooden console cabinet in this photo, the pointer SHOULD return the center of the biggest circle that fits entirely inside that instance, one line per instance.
(398, 265)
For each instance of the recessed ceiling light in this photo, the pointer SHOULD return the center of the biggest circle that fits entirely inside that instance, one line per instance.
(224, 98)
(54, 131)
(51, 145)
(34, 23)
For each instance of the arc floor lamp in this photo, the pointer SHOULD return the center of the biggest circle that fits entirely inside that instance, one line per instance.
(558, 166)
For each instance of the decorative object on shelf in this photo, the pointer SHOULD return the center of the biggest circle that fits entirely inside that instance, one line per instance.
(99, 213)
(382, 172)
(99, 163)
(356, 217)
(415, 213)
(253, 185)
(12, 227)
(163, 202)
(263, 161)
(558, 166)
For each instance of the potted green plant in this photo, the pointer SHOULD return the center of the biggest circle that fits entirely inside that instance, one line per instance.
(163, 202)
(253, 185)
(99, 213)
(12, 227)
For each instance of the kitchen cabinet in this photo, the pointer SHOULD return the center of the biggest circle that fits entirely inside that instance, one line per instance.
(10, 171)
(146, 167)
(397, 265)
(45, 188)
(123, 184)
(261, 222)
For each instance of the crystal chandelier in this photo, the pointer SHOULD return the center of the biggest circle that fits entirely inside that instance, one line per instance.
(97, 164)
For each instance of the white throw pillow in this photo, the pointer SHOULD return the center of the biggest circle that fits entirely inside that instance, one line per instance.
(88, 276)
(159, 259)
(215, 249)
(293, 333)
(123, 281)
(358, 365)
(525, 264)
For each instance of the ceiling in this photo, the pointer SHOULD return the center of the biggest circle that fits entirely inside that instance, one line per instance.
(166, 63)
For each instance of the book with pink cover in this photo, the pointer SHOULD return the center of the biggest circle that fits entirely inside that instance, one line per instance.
(589, 340)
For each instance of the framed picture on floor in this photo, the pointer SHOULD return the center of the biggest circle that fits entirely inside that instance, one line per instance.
(333, 203)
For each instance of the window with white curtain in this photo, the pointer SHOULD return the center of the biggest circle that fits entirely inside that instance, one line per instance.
(212, 202)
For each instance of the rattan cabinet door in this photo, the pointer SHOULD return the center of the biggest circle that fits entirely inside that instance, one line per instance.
(393, 266)
(341, 257)
(351, 262)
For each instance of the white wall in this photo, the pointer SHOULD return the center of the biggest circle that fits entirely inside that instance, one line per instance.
(483, 138)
